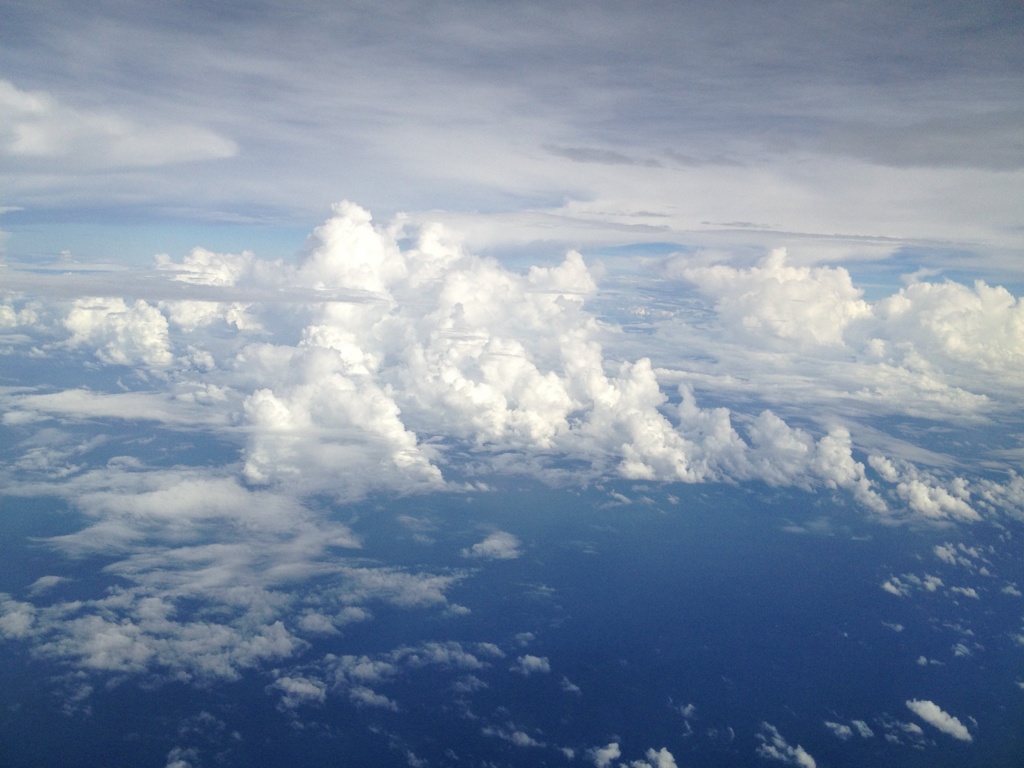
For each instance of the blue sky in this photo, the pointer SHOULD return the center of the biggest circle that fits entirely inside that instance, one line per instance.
(283, 283)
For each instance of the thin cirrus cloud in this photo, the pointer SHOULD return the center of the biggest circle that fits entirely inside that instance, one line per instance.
(40, 133)
(528, 124)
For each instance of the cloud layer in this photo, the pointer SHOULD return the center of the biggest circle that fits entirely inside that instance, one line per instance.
(390, 359)
(870, 125)
(389, 350)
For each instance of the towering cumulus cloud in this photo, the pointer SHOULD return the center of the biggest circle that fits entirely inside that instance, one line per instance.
(388, 352)
(396, 349)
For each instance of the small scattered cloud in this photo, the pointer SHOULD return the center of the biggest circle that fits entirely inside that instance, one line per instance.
(602, 757)
(863, 729)
(45, 583)
(499, 545)
(970, 592)
(655, 758)
(297, 691)
(839, 730)
(512, 734)
(531, 665)
(774, 747)
(936, 717)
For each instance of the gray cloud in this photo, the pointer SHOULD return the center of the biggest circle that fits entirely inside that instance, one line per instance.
(458, 108)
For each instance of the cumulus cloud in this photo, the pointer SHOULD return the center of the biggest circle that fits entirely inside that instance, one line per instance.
(530, 665)
(774, 747)
(386, 343)
(180, 757)
(359, 678)
(120, 333)
(956, 326)
(497, 546)
(443, 342)
(946, 327)
(839, 730)
(934, 716)
(510, 733)
(17, 619)
(800, 336)
(774, 300)
(660, 758)
(966, 592)
(602, 757)
(392, 359)
(863, 729)
(296, 691)
(217, 578)
(925, 494)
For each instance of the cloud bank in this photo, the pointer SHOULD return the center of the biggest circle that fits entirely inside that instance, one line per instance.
(389, 359)
(388, 350)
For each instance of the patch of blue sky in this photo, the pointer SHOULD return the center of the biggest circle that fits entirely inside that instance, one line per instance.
(114, 238)
(883, 277)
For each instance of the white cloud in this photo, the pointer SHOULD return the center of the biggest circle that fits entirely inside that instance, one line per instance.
(960, 650)
(510, 733)
(924, 494)
(774, 747)
(84, 404)
(895, 587)
(296, 691)
(779, 302)
(490, 649)
(603, 756)
(933, 715)
(660, 758)
(119, 333)
(261, 565)
(390, 356)
(391, 341)
(966, 592)
(362, 696)
(839, 730)
(17, 619)
(529, 664)
(45, 583)
(957, 327)
(934, 329)
(497, 546)
(863, 729)
(37, 131)
(180, 757)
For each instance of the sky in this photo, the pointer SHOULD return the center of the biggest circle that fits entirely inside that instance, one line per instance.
(299, 300)
(839, 129)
